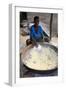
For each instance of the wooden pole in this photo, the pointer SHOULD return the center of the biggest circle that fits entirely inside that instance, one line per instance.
(51, 19)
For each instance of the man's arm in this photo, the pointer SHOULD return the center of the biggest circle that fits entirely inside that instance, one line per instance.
(32, 38)
(41, 31)
(44, 35)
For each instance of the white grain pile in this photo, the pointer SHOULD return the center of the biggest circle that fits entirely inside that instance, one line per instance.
(42, 58)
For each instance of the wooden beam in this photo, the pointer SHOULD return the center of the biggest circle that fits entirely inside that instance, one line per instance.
(51, 19)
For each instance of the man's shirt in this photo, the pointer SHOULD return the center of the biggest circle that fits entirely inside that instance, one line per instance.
(37, 35)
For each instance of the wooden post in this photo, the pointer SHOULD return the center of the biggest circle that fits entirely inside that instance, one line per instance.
(51, 19)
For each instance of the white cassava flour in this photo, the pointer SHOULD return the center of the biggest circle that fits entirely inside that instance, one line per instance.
(42, 58)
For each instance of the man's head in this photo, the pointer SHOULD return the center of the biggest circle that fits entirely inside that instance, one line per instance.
(36, 20)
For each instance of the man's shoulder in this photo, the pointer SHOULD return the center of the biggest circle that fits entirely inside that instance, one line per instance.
(32, 26)
(40, 26)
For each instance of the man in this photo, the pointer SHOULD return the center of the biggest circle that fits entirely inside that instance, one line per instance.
(36, 33)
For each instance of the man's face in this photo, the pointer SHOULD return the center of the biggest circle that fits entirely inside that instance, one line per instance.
(36, 21)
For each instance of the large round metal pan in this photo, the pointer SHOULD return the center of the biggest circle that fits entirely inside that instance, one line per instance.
(45, 45)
